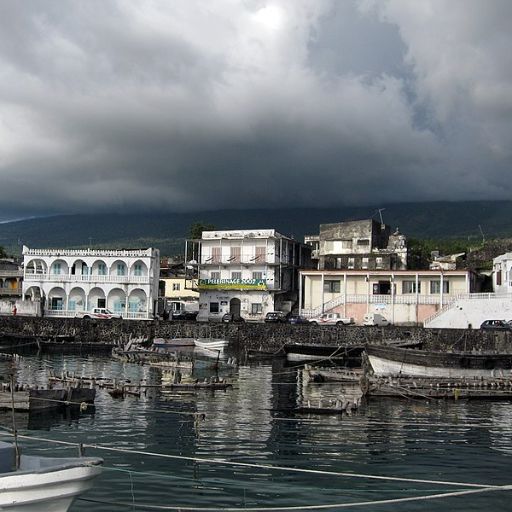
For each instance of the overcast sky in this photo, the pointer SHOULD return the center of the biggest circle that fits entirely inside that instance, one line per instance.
(194, 105)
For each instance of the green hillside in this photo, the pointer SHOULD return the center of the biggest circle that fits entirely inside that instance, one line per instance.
(167, 231)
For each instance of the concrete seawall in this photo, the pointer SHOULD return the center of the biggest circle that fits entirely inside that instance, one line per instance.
(267, 337)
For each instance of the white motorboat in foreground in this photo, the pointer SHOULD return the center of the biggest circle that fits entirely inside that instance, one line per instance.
(211, 343)
(43, 483)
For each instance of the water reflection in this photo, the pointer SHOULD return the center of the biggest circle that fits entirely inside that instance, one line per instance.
(438, 440)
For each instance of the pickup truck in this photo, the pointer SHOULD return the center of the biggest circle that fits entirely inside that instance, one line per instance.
(99, 313)
(331, 319)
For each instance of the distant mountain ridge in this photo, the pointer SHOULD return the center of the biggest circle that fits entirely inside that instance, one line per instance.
(167, 231)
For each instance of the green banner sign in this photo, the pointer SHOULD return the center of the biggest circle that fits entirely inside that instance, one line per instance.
(235, 284)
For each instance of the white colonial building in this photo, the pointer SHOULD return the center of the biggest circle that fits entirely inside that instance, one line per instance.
(68, 281)
(247, 272)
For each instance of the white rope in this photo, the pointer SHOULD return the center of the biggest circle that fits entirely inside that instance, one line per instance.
(262, 466)
(310, 507)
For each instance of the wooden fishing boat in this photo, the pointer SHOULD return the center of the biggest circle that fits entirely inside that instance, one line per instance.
(397, 361)
(43, 483)
(348, 354)
(17, 342)
(68, 345)
(319, 375)
(311, 352)
(45, 399)
(173, 342)
(211, 343)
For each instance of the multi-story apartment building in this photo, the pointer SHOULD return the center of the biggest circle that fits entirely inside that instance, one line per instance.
(247, 272)
(361, 244)
(401, 296)
(68, 281)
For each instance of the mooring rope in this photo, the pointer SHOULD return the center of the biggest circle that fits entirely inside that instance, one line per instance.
(256, 466)
(424, 497)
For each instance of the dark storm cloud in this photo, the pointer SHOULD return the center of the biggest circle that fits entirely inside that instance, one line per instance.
(200, 105)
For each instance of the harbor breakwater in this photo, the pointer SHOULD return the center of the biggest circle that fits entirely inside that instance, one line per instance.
(253, 336)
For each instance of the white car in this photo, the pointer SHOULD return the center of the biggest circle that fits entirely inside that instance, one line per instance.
(331, 319)
(375, 319)
(99, 313)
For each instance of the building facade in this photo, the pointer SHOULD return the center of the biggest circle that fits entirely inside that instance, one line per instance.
(361, 244)
(247, 272)
(179, 288)
(502, 273)
(402, 296)
(68, 281)
(11, 276)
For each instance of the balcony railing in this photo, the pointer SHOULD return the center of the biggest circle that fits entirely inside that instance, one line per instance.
(89, 278)
(10, 292)
(240, 261)
(11, 273)
(118, 253)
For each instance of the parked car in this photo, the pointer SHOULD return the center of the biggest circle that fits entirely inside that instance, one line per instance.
(500, 325)
(375, 319)
(185, 315)
(331, 319)
(98, 313)
(231, 317)
(275, 317)
(297, 319)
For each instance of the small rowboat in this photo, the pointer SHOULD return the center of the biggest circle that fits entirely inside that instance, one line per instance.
(43, 483)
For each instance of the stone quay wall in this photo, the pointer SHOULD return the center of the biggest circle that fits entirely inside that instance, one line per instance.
(254, 336)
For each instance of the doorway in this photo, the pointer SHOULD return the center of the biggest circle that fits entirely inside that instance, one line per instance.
(234, 307)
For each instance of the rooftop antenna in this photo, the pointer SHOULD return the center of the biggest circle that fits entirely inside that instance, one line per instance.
(482, 233)
(380, 210)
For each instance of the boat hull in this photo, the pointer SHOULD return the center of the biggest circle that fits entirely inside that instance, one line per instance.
(45, 490)
(299, 353)
(173, 342)
(211, 344)
(395, 362)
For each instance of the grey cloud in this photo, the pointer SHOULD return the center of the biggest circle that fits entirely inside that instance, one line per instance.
(189, 105)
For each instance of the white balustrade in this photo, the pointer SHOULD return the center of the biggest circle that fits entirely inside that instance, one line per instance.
(90, 278)
(117, 253)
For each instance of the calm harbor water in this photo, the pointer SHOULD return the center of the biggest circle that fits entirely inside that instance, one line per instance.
(465, 442)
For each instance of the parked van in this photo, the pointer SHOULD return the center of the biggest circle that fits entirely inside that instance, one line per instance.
(375, 319)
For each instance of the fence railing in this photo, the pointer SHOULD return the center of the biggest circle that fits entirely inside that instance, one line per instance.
(406, 299)
(88, 278)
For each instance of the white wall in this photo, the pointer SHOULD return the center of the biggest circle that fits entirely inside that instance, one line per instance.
(465, 312)
(23, 307)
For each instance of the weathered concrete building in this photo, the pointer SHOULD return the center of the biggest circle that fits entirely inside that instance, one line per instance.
(359, 245)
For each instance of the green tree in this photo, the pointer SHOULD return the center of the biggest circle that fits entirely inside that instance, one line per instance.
(3, 254)
(196, 229)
